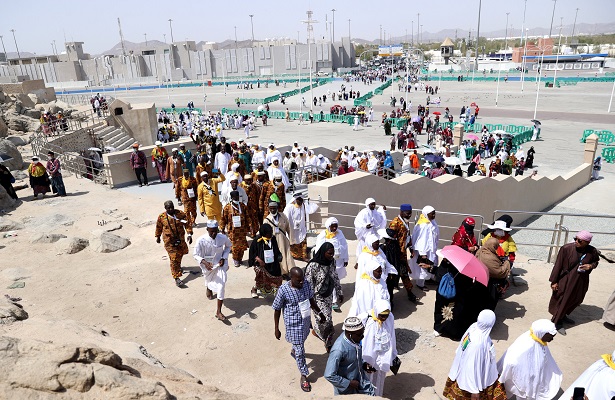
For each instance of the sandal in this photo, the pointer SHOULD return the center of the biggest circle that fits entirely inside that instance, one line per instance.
(220, 317)
(292, 353)
(254, 294)
(305, 386)
(178, 282)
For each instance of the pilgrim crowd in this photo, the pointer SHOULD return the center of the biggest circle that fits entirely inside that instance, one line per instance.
(240, 192)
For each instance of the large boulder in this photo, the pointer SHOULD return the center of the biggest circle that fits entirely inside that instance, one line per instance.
(21, 123)
(4, 129)
(105, 242)
(71, 245)
(9, 225)
(42, 237)
(19, 175)
(32, 113)
(17, 140)
(25, 100)
(6, 201)
(11, 311)
(7, 147)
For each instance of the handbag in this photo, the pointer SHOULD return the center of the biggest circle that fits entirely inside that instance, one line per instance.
(446, 288)
(395, 365)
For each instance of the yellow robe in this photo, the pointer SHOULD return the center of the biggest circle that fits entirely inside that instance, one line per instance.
(210, 203)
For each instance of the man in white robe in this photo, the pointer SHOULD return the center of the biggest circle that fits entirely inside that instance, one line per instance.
(368, 220)
(211, 251)
(258, 157)
(527, 369)
(298, 212)
(221, 161)
(225, 197)
(372, 163)
(425, 236)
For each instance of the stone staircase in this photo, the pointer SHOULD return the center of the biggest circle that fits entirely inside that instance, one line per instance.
(117, 138)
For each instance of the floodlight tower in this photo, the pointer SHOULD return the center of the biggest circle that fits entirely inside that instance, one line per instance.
(310, 32)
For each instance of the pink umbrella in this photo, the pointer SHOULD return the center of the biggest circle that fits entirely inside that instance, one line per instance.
(466, 263)
(472, 137)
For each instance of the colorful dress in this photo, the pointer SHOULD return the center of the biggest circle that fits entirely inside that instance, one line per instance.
(235, 223)
(172, 228)
(187, 191)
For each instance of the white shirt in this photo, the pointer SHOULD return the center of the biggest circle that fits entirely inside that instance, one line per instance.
(221, 162)
(298, 218)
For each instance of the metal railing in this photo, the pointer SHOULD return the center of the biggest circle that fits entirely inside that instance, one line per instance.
(560, 232)
(72, 162)
(81, 98)
(416, 213)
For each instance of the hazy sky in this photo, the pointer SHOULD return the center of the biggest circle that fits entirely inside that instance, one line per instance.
(37, 23)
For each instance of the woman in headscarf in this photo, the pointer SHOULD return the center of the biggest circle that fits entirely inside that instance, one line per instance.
(464, 237)
(457, 171)
(390, 164)
(370, 287)
(321, 274)
(454, 315)
(527, 369)
(265, 256)
(499, 269)
(474, 370)
(276, 166)
(39, 179)
(598, 380)
(332, 234)
(379, 346)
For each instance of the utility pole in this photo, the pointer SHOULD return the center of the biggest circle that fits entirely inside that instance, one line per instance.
(18, 54)
(480, 3)
(380, 35)
(349, 30)
(171, 26)
(418, 23)
(252, 24)
(145, 34)
(412, 34)
(552, 15)
(575, 24)
(310, 30)
(333, 29)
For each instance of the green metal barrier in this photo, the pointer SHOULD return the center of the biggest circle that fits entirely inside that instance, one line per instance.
(608, 154)
(604, 137)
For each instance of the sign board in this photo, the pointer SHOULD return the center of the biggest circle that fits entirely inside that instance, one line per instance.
(396, 49)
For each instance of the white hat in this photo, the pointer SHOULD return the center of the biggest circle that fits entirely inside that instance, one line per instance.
(428, 209)
(277, 174)
(212, 223)
(320, 156)
(203, 173)
(383, 233)
(174, 149)
(158, 143)
(499, 225)
(369, 201)
(260, 173)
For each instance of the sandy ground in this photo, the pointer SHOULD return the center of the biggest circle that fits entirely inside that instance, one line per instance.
(131, 295)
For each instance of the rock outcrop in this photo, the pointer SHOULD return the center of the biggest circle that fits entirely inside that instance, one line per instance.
(11, 311)
(105, 242)
(7, 147)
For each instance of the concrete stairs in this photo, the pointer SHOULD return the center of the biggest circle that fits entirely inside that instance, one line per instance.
(117, 138)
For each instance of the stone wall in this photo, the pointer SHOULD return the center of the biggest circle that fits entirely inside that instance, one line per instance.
(76, 141)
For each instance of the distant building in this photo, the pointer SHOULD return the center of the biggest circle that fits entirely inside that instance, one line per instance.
(533, 49)
(183, 61)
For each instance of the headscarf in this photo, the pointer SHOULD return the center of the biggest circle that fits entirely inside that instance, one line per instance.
(527, 368)
(330, 221)
(488, 255)
(369, 201)
(474, 367)
(379, 345)
(597, 379)
(320, 258)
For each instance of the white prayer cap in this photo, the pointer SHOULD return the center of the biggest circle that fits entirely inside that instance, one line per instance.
(330, 221)
(320, 156)
(353, 324)
(427, 210)
(174, 149)
(344, 158)
(158, 143)
(277, 174)
(204, 173)
(212, 223)
(260, 173)
(371, 238)
(247, 176)
(369, 201)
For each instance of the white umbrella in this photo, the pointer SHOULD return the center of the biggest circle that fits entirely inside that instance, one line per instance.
(94, 149)
(261, 108)
(452, 161)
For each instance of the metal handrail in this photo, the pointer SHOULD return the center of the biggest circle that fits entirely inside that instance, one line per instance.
(556, 240)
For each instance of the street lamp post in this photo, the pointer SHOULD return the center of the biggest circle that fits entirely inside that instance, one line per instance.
(349, 31)
(145, 34)
(497, 91)
(171, 26)
(477, 36)
(18, 54)
(418, 22)
(552, 15)
(539, 69)
(574, 25)
(333, 28)
(252, 24)
(523, 34)
(559, 50)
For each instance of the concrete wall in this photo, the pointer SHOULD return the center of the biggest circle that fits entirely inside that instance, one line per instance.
(75, 141)
(476, 195)
(139, 121)
(122, 175)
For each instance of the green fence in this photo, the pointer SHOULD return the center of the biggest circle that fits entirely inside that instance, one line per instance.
(604, 137)
(289, 93)
(608, 154)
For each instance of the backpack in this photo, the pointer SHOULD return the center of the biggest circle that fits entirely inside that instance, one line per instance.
(446, 288)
